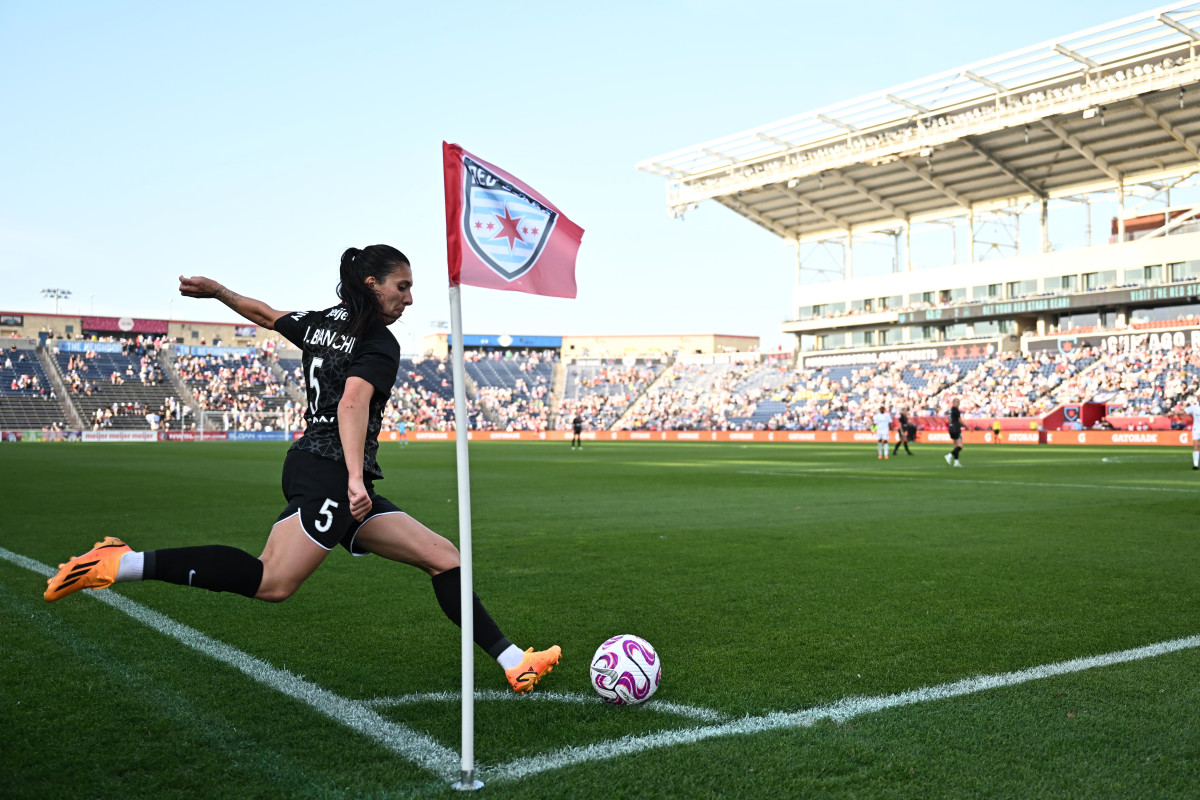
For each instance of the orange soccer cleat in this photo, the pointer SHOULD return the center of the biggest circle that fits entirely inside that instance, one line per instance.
(95, 569)
(533, 666)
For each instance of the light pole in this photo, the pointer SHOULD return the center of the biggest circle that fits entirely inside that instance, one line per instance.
(57, 294)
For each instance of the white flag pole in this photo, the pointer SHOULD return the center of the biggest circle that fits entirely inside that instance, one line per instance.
(467, 780)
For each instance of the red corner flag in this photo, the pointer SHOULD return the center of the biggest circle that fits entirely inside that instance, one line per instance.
(501, 234)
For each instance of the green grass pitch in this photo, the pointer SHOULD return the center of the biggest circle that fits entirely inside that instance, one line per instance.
(772, 579)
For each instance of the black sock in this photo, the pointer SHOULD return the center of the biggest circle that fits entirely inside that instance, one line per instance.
(447, 587)
(955, 452)
(216, 567)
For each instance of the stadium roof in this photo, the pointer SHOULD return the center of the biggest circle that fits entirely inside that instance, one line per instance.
(1096, 111)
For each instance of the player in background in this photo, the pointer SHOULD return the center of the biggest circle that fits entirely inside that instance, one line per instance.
(955, 431)
(902, 437)
(1193, 408)
(350, 363)
(883, 424)
(577, 432)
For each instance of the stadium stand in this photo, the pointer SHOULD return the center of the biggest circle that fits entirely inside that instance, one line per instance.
(124, 390)
(241, 386)
(601, 390)
(512, 388)
(27, 396)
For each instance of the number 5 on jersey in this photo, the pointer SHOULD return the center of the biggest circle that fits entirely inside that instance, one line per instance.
(314, 387)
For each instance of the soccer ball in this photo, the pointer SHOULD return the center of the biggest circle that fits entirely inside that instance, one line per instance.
(626, 670)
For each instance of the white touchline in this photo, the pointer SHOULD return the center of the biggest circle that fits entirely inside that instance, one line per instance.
(840, 711)
(403, 741)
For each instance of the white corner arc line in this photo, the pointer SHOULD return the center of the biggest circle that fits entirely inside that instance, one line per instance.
(493, 695)
(400, 739)
(840, 711)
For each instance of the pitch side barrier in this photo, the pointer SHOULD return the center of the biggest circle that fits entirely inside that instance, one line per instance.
(1150, 437)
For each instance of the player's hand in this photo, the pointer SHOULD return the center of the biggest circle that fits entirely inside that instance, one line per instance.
(360, 501)
(198, 286)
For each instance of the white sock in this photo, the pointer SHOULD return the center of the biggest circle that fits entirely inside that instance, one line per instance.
(1196, 458)
(511, 657)
(131, 566)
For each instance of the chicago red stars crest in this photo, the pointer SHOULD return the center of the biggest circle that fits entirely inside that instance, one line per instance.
(505, 227)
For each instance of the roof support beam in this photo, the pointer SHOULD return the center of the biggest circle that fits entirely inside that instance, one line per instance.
(1072, 141)
(1071, 54)
(1179, 26)
(900, 101)
(870, 194)
(715, 154)
(996, 87)
(1171, 130)
(801, 200)
(831, 121)
(927, 176)
(784, 144)
(1005, 168)
(738, 206)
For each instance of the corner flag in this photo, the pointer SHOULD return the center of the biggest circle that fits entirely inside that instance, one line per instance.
(502, 234)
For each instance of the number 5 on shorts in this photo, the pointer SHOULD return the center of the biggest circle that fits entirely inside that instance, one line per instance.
(326, 512)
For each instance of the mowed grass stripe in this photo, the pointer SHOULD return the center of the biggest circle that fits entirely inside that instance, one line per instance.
(858, 473)
(400, 739)
(762, 594)
(430, 755)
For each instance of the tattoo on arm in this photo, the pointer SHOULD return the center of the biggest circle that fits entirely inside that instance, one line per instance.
(229, 298)
(254, 310)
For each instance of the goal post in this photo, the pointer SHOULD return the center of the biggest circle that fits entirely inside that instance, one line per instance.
(245, 421)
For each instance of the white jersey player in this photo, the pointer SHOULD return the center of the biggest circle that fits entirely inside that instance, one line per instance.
(883, 424)
(1193, 408)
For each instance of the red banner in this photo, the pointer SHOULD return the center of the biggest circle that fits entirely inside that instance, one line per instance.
(117, 325)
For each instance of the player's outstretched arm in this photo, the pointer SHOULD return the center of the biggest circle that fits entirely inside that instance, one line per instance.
(353, 411)
(256, 311)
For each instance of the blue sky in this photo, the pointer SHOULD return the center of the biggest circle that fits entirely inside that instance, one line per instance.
(254, 141)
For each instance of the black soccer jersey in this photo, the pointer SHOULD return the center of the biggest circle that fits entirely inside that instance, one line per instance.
(331, 357)
(955, 417)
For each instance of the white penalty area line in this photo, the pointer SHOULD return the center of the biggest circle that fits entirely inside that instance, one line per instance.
(401, 740)
(865, 474)
(840, 711)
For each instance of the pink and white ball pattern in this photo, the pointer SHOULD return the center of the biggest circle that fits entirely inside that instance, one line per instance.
(626, 670)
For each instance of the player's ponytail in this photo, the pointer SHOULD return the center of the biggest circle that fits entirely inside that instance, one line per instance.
(377, 261)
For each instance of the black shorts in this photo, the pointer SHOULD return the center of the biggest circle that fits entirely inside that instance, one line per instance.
(318, 490)
(955, 433)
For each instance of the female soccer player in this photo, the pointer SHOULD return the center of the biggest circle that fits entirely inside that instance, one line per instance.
(350, 363)
(955, 431)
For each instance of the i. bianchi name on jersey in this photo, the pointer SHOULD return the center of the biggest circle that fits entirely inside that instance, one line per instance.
(334, 340)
